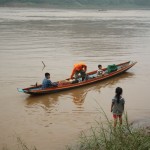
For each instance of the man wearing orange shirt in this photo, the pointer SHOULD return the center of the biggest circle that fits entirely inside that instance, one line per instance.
(79, 68)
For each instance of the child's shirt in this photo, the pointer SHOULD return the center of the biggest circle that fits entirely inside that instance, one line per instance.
(100, 72)
(48, 83)
(118, 108)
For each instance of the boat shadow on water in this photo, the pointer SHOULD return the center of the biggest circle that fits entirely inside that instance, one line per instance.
(78, 95)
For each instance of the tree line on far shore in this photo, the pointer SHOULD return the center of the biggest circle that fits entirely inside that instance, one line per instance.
(81, 3)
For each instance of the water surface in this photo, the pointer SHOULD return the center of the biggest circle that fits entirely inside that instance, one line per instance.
(61, 38)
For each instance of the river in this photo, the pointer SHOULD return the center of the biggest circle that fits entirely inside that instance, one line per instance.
(60, 38)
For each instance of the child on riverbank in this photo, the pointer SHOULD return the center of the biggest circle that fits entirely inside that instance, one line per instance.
(117, 106)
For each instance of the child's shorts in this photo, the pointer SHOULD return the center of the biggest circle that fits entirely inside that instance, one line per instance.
(116, 116)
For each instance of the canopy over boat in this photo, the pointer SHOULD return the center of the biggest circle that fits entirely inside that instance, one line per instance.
(110, 71)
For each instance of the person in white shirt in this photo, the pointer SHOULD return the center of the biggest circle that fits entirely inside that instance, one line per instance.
(100, 72)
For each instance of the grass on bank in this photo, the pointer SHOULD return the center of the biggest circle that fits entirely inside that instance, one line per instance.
(106, 137)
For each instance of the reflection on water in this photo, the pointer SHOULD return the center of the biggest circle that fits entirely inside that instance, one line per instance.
(78, 96)
(46, 100)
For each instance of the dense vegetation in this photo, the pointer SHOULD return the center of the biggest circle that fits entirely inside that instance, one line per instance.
(81, 3)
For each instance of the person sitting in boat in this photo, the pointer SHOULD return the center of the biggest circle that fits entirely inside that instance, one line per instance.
(100, 72)
(79, 68)
(47, 82)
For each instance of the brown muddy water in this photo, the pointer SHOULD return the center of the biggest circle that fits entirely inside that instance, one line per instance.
(61, 38)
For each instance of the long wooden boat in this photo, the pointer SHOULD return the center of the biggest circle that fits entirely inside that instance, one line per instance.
(67, 85)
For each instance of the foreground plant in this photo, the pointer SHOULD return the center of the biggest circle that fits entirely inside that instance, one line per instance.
(106, 137)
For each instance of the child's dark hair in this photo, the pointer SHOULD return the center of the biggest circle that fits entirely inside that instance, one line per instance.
(99, 66)
(47, 74)
(118, 93)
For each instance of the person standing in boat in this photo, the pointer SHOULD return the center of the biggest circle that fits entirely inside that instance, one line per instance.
(100, 72)
(79, 68)
(47, 83)
(117, 106)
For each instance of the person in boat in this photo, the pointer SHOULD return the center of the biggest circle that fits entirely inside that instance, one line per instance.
(47, 83)
(79, 68)
(100, 72)
(117, 106)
